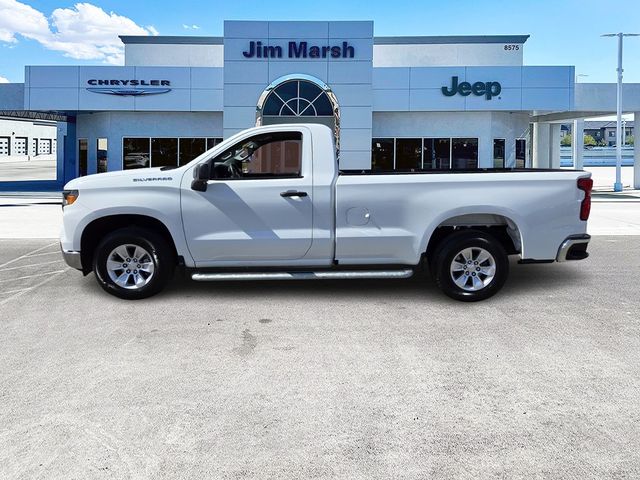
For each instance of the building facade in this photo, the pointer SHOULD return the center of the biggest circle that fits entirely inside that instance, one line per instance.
(394, 103)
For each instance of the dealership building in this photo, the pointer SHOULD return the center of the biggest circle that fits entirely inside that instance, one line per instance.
(395, 103)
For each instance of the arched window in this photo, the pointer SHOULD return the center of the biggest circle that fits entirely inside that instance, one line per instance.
(298, 98)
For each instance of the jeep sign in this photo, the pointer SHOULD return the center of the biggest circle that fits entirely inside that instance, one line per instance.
(488, 89)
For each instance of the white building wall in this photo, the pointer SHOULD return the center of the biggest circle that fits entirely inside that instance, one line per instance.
(167, 55)
(443, 55)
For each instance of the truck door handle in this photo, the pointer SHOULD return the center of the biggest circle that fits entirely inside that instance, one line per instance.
(293, 193)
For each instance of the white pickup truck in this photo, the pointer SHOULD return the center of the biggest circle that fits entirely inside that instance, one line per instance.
(271, 203)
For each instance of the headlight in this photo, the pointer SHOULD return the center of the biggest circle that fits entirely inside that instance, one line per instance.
(69, 197)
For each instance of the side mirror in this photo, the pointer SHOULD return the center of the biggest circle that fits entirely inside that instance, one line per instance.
(201, 175)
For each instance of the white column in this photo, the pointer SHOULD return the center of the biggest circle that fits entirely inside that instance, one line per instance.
(541, 150)
(554, 145)
(577, 143)
(636, 151)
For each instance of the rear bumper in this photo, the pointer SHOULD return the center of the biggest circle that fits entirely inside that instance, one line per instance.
(574, 248)
(73, 259)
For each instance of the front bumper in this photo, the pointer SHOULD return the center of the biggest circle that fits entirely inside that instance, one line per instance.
(73, 259)
(574, 248)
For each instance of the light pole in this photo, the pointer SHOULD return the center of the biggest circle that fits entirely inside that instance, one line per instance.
(617, 187)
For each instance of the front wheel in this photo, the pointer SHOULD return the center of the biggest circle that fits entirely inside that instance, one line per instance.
(470, 266)
(133, 263)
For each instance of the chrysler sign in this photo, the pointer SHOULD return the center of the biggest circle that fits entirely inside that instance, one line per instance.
(125, 88)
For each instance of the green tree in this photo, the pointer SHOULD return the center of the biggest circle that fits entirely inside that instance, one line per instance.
(630, 140)
(566, 140)
(589, 141)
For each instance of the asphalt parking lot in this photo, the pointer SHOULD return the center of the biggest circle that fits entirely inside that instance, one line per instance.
(353, 380)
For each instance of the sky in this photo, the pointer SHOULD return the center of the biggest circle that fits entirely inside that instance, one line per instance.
(47, 32)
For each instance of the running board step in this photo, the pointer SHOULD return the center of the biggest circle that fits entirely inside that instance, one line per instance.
(321, 275)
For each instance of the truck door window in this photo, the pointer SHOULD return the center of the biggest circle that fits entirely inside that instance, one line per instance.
(269, 155)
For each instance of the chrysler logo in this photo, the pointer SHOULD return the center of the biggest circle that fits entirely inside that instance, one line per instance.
(129, 92)
(129, 88)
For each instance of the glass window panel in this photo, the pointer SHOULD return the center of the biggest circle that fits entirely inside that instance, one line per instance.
(102, 154)
(287, 90)
(521, 152)
(212, 142)
(408, 153)
(309, 90)
(281, 157)
(272, 105)
(164, 152)
(135, 153)
(498, 152)
(382, 154)
(263, 156)
(323, 106)
(464, 154)
(83, 149)
(437, 153)
(190, 148)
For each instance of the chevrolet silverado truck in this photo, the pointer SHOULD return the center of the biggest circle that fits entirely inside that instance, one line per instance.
(271, 203)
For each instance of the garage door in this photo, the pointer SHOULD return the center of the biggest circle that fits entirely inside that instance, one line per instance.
(4, 146)
(44, 146)
(20, 146)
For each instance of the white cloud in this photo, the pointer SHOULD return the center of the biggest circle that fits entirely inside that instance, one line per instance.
(190, 27)
(3, 80)
(84, 32)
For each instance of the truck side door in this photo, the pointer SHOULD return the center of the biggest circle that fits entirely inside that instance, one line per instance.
(258, 203)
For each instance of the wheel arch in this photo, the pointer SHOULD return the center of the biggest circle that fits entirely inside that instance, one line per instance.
(98, 228)
(502, 225)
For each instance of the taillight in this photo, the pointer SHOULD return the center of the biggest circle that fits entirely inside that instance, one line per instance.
(585, 184)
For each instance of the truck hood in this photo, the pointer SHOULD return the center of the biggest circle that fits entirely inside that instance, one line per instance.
(123, 178)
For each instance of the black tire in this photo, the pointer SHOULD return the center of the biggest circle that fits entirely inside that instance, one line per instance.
(160, 255)
(449, 249)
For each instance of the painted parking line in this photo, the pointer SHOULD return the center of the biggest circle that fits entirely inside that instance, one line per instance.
(32, 265)
(33, 276)
(56, 252)
(20, 292)
(9, 292)
(27, 254)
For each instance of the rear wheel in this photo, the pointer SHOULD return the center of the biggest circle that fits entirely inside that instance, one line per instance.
(470, 265)
(133, 263)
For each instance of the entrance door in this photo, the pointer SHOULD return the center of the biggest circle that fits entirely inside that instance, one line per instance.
(258, 203)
